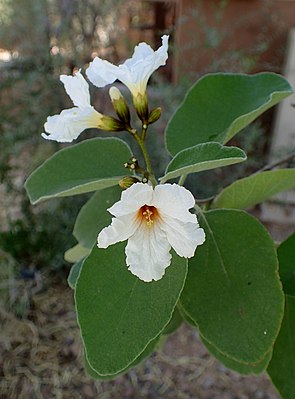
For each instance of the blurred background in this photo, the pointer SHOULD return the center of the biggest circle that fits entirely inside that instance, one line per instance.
(40, 349)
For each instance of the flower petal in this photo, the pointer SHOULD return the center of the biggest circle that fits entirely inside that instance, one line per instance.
(174, 200)
(132, 199)
(147, 253)
(184, 237)
(145, 60)
(77, 89)
(119, 230)
(101, 72)
(68, 125)
(134, 72)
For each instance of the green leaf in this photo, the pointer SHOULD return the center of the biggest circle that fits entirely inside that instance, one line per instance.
(119, 315)
(202, 157)
(151, 347)
(232, 290)
(282, 366)
(88, 166)
(254, 189)
(76, 253)
(93, 216)
(174, 323)
(220, 105)
(185, 316)
(286, 255)
(242, 368)
(74, 273)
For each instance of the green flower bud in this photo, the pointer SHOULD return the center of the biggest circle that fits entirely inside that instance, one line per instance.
(120, 105)
(127, 181)
(140, 102)
(154, 115)
(133, 165)
(110, 124)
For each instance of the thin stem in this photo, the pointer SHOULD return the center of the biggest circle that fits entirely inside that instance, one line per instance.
(182, 180)
(147, 160)
(140, 142)
(143, 132)
(281, 161)
(199, 210)
(205, 200)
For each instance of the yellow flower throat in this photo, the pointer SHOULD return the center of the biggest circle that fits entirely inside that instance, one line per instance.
(148, 214)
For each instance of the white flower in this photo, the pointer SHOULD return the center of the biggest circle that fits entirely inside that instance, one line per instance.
(134, 72)
(153, 221)
(68, 125)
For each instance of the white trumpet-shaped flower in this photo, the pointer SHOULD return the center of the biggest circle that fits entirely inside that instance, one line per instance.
(134, 72)
(153, 221)
(68, 125)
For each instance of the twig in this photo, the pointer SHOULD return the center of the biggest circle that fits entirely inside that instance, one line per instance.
(205, 200)
(272, 165)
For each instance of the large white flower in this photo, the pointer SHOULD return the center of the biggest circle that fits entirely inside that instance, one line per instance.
(134, 72)
(153, 221)
(68, 125)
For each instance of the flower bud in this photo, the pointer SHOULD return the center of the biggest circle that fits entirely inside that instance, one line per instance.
(154, 115)
(140, 102)
(133, 165)
(110, 124)
(127, 181)
(120, 105)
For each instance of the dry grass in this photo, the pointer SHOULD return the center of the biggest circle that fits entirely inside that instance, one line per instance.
(41, 358)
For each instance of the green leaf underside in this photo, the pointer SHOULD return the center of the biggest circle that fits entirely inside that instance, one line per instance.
(151, 347)
(286, 255)
(93, 216)
(220, 105)
(254, 189)
(242, 368)
(76, 253)
(232, 291)
(74, 273)
(119, 314)
(202, 157)
(282, 366)
(88, 166)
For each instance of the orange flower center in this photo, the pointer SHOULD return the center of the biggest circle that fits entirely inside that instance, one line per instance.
(148, 214)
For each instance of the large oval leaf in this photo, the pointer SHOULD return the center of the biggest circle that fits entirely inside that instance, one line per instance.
(242, 368)
(286, 255)
(233, 292)
(88, 166)
(151, 347)
(74, 273)
(94, 216)
(220, 105)
(119, 314)
(282, 366)
(254, 189)
(202, 157)
(174, 322)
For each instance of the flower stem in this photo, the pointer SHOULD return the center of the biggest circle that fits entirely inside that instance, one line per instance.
(140, 142)
(198, 209)
(147, 161)
(182, 180)
(144, 130)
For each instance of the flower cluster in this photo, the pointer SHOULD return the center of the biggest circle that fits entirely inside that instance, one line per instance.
(134, 73)
(155, 218)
